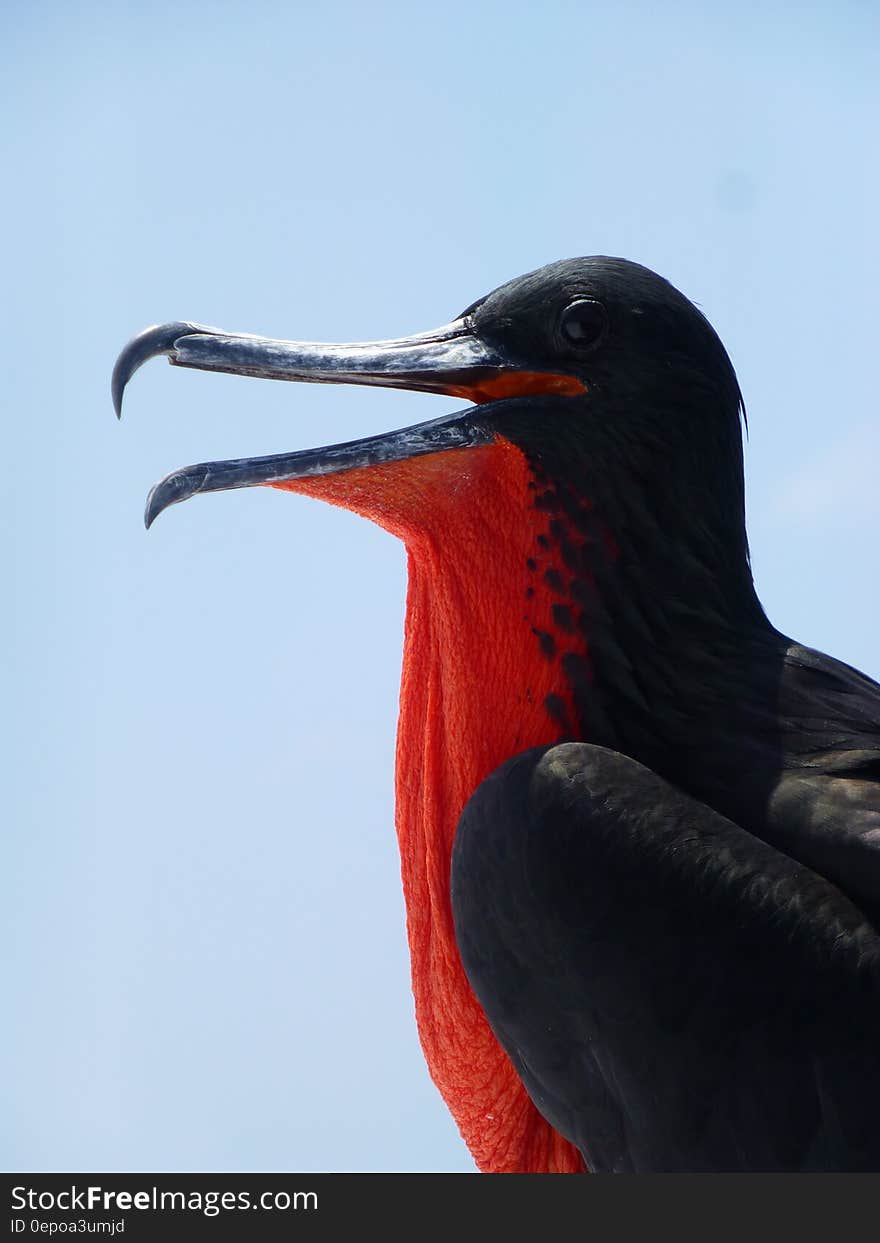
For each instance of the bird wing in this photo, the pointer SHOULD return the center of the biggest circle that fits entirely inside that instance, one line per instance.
(675, 993)
(832, 714)
(824, 806)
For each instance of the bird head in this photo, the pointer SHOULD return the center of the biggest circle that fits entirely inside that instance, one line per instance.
(592, 363)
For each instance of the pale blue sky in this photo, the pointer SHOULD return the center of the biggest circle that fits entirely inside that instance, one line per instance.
(206, 964)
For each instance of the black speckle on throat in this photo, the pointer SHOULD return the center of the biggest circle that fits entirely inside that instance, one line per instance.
(546, 641)
(555, 705)
(562, 617)
(553, 579)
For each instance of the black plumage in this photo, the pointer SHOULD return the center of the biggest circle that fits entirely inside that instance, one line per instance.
(673, 929)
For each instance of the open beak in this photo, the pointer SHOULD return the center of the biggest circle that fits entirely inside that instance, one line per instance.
(453, 360)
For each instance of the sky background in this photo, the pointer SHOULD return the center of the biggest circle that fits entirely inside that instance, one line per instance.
(204, 952)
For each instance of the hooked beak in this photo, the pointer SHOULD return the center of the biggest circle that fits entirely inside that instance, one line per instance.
(453, 360)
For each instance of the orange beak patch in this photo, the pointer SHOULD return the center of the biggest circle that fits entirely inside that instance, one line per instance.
(518, 384)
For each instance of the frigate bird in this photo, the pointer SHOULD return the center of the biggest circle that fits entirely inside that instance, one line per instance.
(639, 827)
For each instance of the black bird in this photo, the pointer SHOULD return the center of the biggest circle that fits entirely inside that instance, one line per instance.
(639, 827)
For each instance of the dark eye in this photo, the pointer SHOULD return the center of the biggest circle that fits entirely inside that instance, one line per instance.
(583, 322)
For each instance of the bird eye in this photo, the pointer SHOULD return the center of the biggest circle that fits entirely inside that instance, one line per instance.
(583, 322)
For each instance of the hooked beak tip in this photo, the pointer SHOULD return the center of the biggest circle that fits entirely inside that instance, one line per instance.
(117, 388)
(174, 488)
(152, 509)
(152, 342)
